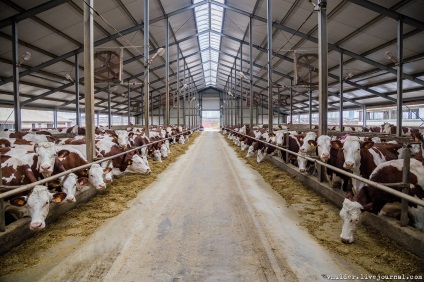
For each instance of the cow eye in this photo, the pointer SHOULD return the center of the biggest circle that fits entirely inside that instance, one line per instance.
(46, 203)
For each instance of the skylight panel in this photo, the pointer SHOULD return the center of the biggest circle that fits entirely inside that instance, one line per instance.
(209, 17)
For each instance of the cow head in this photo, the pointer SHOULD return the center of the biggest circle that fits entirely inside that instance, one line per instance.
(164, 150)
(309, 144)
(250, 152)
(279, 140)
(38, 204)
(324, 147)
(167, 146)
(108, 175)
(261, 155)
(351, 152)
(243, 146)
(69, 186)
(350, 214)
(138, 165)
(302, 162)
(181, 139)
(46, 153)
(156, 155)
(122, 138)
(95, 177)
(386, 128)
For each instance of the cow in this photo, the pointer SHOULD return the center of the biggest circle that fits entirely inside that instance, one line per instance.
(304, 164)
(38, 204)
(71, 158)
(373, 199)
(5, 142)
(361, 158)
(130, 162)
(16, 172)
(331, 152)
(309, 143)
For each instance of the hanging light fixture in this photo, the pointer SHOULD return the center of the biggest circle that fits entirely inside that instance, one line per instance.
(25, 57)
(389, 55)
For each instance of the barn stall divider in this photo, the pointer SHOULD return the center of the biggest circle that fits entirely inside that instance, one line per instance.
(406, 236)
(18, 231)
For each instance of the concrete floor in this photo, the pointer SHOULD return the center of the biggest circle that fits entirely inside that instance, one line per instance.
(208, 217)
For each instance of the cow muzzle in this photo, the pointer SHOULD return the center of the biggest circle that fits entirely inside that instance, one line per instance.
(37, 225)
(346, 241)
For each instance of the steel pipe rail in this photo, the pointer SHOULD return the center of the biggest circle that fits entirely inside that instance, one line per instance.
(48, 179)
(27, 187)
(367, 181)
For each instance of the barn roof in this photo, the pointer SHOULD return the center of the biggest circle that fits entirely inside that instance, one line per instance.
(212, 38)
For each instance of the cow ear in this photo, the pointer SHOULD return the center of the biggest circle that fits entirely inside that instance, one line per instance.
(367, 144)
(131, 134)
(19, 201)
(81, 182)
(55, 183)
(367, 207)
(130, 162)
(35, 147)
(63, 153)
(349, 196)
(58, 197)
(312, 143)
(336, 144)
(107, 170)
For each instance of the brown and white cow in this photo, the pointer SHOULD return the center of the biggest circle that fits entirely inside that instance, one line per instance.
(38, 204)
(373, 199)
(361, 158)
(16, 172)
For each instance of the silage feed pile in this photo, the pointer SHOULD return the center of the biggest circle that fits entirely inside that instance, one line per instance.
(85, 218)
(371, 250)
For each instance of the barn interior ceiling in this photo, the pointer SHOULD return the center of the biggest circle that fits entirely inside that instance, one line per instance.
(210, 40)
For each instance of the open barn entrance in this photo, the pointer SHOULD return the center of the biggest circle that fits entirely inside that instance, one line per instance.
(210, 120)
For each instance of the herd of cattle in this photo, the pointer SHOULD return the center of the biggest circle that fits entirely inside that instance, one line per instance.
(366, 157)
(27, 157)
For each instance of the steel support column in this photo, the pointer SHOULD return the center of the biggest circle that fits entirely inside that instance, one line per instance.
(364, 116)
(77, 92)
(146, 68)
(89, 79)
(178, 87)
(55, 118)
(399, 77)
(291, 101)
(109, 108)
(341, 75)
(269, 29)
(16, 94)
(251, 72)
(184, 96)
(322, 67)
(167, 111)
(129, 103)
(241, 86)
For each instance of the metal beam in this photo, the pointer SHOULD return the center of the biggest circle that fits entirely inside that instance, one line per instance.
(315, 40)
(31, 12)
(146, 68)
(323, 67)
(15, 47)
(399, 77)
(269, 46)
(389, 13)
(89, 79)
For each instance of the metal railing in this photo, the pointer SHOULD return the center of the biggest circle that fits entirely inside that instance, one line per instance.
(24, 188)
(385, 187)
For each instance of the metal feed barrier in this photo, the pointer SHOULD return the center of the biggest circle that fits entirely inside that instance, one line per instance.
(386, 187)
(19, 189)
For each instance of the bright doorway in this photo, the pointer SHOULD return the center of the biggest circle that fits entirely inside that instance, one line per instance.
(210, 120)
